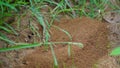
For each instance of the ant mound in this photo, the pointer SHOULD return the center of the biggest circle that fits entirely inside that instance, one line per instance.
(91, 33)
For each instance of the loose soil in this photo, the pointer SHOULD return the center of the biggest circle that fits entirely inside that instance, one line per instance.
(92, 33)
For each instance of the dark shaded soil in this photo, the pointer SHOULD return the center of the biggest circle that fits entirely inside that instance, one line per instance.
(93, 34)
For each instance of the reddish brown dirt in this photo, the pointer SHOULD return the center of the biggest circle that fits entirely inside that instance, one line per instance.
(92, 33)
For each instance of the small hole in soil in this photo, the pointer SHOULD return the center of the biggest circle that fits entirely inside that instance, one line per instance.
(10, 20)
(32, 33)
(113, 14)
(32, 47)
(64, 45)
(117, 21)
(111, 19)
(114, 34)
(24, 62)
(29, 36)
(63, 38)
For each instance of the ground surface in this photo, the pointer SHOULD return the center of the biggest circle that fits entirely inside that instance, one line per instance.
(92, 33)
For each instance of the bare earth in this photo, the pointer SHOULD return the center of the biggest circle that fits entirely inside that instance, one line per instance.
(92, 33)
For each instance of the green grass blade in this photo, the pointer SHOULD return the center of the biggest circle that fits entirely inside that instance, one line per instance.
(70, 5)
(70, 37)
(8, 5)
(4, 38)
(34, 30)
(54, 57)
(67, 33)
(27, 45)
(11, 28)
(5, 29)
(41, 21)
(31, 3)
(69, 50)
(2, 8)
(115, 52)
(20, 46)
